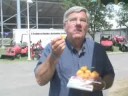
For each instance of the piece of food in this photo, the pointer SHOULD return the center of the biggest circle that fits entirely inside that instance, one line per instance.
(94, 75)
(85, 73)
(79, 73)
(63, 36)
(84, 68)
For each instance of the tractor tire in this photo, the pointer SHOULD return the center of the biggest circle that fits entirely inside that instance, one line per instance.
(13, 57)
(2, 57)
(18, 56)
(111, 49)
(123, 49)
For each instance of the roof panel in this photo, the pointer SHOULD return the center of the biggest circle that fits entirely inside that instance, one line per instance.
(48, 11)
(45, 7)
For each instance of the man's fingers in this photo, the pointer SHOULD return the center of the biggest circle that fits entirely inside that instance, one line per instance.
(57, 42)
(59, 47)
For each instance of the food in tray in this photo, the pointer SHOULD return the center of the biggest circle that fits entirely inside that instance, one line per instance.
(83, 79)
(85, 73)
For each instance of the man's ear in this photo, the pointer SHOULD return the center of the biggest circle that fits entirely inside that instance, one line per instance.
(64, 24)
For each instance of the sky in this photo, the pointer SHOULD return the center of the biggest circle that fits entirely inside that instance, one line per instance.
(113, 21)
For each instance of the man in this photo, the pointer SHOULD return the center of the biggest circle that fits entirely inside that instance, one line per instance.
(63, 57)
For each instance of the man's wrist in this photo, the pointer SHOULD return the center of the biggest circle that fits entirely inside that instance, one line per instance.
(104, 85)
(54, 56)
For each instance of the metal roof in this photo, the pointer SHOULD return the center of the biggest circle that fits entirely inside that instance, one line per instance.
(50, 13)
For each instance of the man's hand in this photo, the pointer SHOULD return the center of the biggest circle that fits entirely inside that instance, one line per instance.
(99, 85)
(58, 46)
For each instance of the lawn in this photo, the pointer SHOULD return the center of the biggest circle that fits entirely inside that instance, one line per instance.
(3, 51)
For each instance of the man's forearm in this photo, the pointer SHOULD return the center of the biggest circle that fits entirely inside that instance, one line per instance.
(45, 71)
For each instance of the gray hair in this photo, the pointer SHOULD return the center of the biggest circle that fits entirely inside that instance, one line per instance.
(75, 9)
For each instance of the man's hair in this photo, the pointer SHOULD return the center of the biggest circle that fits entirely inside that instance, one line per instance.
(75, 9)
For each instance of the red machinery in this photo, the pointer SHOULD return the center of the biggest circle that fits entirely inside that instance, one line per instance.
(12, 52)
(117, 40)
(106, 41)
(15, 52)
(36, 50)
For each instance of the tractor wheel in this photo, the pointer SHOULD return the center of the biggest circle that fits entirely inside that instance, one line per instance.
(123, 49)
(120, 49)
(2, 57)
(37, 57)
(18, 56)
(13, 57)
(111, 49)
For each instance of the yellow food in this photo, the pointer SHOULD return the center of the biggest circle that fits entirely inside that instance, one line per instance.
(94, 75)
(85, 73)
(84, 68)
(63, 36)
(79, 72)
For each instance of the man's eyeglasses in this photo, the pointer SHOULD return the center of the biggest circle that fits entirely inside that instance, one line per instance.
(75, 21)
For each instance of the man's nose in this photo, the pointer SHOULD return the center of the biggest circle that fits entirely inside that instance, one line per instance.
(78, 22)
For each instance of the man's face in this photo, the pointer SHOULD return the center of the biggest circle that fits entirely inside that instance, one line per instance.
(76, 26)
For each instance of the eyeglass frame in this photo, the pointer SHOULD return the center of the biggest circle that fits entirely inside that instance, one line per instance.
(74, 20)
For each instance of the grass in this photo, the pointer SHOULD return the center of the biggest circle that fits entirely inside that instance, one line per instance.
(3, 51)
(116, 49)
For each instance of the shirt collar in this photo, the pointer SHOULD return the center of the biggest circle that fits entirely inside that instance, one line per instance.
(69, 45)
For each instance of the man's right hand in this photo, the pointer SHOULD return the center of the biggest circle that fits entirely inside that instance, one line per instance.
(58, 45)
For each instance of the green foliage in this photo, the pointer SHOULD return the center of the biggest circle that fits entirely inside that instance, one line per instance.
(123, 15)
(98, 20)
(69, 3)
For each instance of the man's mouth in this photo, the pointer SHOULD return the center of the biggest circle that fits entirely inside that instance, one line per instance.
(78, 30)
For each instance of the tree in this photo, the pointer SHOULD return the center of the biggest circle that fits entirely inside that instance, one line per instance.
(105, 2)
(122, 14)
(97, 11)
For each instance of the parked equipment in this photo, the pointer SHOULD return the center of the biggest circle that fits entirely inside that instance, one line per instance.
(106, 41)
(15, 51)
(36, 50)
(124, 46)
(118, 40)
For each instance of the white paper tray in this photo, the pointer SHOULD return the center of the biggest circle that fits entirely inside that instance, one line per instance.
(80, 84)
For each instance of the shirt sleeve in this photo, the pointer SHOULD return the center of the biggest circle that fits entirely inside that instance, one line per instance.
(47, 50)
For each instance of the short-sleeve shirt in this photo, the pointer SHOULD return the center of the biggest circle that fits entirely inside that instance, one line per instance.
(91, 55)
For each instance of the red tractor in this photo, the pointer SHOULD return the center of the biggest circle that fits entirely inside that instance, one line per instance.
(118, 40)
(12, 52)
(36, 50)
(124, 46)
(15, 51)
(106, 41)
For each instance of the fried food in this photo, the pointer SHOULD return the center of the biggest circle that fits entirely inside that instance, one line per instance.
(85, 73)
(63, 36)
